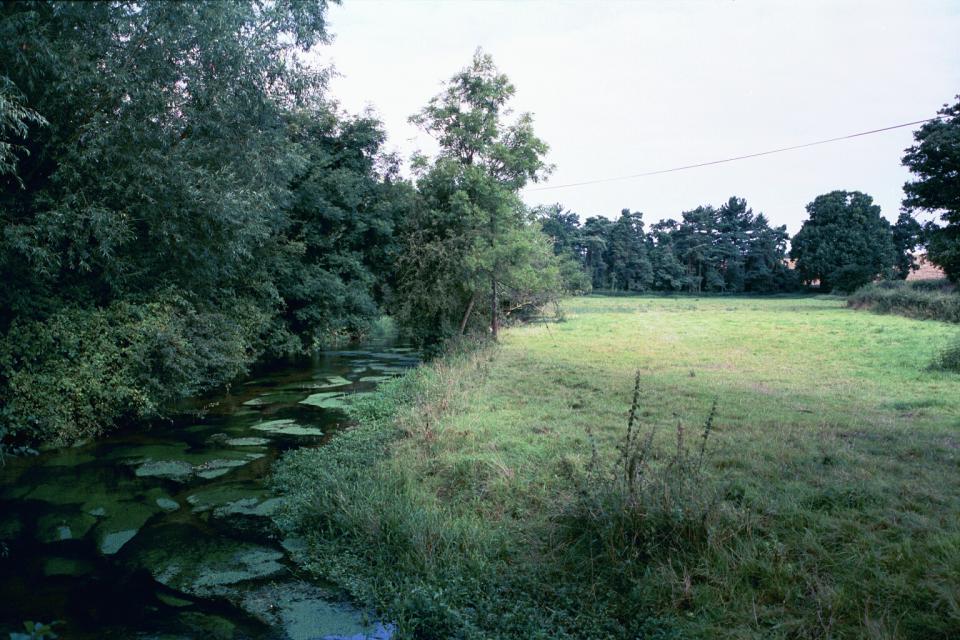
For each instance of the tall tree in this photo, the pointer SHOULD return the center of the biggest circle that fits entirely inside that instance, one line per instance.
(697, 242)
(562, 227)
(716, 249)
(596, 236)
(845, 243)
(473, 223)
(765, 268)
(164, 157)
(627, 255)
(935, 159)
(344, 207)
(669, 274)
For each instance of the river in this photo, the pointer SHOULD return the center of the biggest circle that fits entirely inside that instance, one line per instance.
(165, 533)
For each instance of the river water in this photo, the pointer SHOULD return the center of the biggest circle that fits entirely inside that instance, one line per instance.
(166, 533)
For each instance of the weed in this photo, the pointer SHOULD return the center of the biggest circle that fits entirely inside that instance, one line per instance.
(643, 508)
(949, 358)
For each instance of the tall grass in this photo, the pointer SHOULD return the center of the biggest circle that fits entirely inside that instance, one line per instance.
(429, 563)
(436, 570)
(949, 358)
(641, 508)
(645, 512)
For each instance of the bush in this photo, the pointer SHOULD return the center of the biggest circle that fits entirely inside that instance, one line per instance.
(921, 299)
(938, 284)
(641, 527)
(81, 371)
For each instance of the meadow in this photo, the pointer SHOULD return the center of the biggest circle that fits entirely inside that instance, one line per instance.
(790, 471)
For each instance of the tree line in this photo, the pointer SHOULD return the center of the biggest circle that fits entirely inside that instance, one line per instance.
(726, 249)
(180, 196)
(845, 243)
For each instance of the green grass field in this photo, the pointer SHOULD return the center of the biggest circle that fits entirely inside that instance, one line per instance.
(480, 497)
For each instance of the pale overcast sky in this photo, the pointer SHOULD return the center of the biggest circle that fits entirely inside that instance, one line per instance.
(618, 88)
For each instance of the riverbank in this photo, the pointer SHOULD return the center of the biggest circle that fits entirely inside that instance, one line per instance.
(167, 531)
(486, 496)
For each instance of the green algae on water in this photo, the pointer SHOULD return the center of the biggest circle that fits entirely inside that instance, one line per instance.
(287, 427)
(167, 504)
(328, 400)
(248, 442)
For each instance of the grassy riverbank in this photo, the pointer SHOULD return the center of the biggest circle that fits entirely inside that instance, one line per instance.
(486, 496)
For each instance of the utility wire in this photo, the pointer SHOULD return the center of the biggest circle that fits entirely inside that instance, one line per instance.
(749, 155)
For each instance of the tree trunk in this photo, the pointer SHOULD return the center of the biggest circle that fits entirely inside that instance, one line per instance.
(494, 304)
(466, 314)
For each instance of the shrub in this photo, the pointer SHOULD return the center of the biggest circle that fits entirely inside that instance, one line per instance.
(849, 277)
(921, 299)
(937, 284)
(81, 371)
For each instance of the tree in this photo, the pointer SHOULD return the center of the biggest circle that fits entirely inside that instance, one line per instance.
(717, 249)
(15, 122)
(630, 267)
(765, 268)
(669, 274)
(563, 228)
(696, 240)
(471, 230)
(164, 157)
(596, 236)
(176, 200)
(935, 159)
(907, 236)
(344, 207)
(845, 243)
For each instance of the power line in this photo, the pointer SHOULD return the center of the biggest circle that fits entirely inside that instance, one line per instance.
(749, 155)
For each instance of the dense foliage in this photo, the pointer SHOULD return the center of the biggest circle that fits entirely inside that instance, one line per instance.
(345, 209)
(935, 159)
(727, 249)
(177, 199)
(845, 243)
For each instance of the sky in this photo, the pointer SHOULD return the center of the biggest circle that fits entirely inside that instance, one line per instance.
(618, 88)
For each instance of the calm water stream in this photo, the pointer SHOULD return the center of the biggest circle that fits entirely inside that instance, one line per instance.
(167, 532)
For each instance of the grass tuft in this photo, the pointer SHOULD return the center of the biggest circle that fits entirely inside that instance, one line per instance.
(949, 358)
